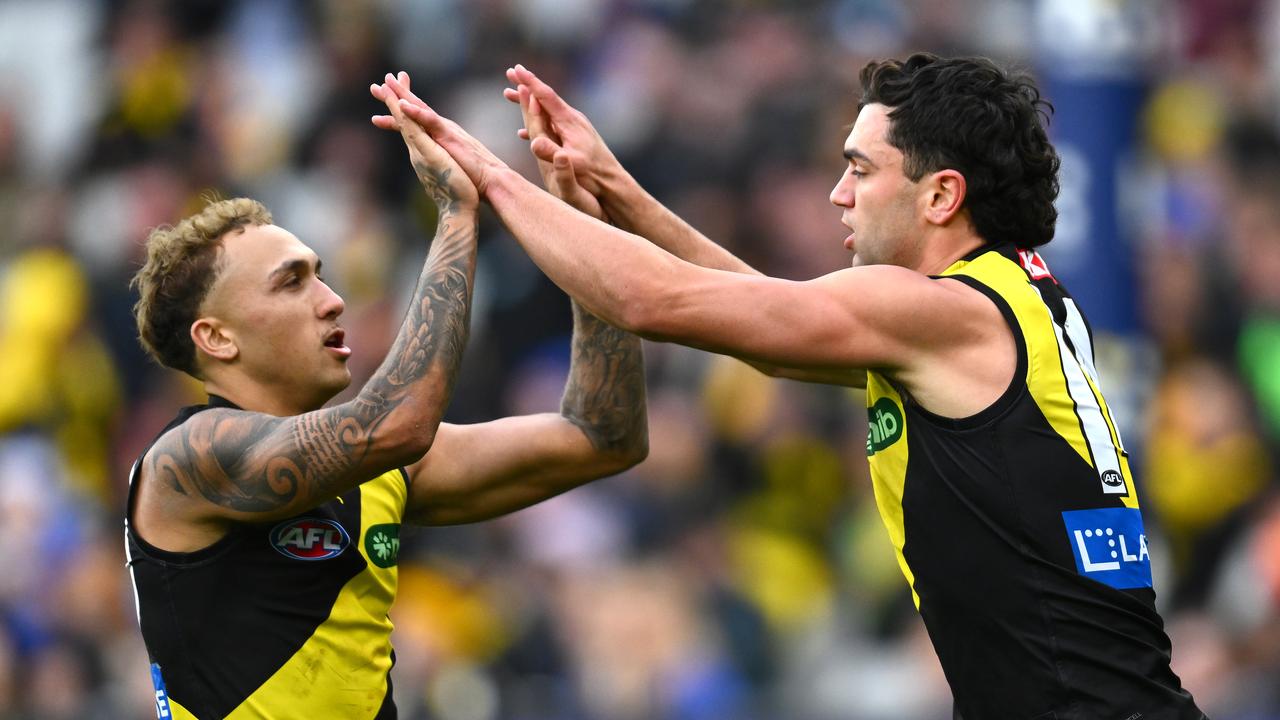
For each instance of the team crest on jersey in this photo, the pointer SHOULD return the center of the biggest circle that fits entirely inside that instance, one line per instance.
(1035, 265)
(884, 420)
(309, 538)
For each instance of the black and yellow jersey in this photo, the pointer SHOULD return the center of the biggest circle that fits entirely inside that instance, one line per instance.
(1018, 528)
(276, 620)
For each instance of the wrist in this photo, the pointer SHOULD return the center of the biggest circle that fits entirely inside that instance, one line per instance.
(461, 210)
(500, 183)
(616, 184)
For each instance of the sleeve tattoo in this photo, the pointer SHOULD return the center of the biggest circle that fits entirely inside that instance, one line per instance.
(605, 394)
(257, 463)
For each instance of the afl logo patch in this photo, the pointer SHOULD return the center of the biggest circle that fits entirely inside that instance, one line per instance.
(1111, 478)
(309, 539)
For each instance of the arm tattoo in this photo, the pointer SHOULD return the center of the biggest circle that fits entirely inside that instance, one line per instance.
(257, 463)
(605, 394)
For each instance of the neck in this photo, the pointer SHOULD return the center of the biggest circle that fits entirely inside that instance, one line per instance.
(254, 398)
(942, 252)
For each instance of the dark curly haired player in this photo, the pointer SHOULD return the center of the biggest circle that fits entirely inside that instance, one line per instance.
(996, 462)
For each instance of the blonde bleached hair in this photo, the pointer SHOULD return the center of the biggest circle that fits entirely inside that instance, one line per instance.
(182, 263)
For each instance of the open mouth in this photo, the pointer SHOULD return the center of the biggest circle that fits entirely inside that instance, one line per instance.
(336, 342)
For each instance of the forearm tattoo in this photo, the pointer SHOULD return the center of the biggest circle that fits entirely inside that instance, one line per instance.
(256, 463)
(605, 394)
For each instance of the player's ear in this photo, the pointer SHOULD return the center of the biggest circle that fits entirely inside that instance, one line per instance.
(946, 192)
(214, 339)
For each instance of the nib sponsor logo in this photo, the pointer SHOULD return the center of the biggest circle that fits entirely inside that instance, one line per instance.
(884, 425)
(309, 539)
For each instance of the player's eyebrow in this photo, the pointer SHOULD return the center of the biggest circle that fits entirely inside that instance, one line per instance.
(856, 154)
(296, 265)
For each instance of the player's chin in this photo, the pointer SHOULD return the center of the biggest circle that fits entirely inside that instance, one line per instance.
(337, 380)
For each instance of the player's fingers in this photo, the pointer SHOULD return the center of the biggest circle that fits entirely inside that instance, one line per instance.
(533, 118)
(403, 92)
(523, 134)
(384, 122)
(511, 76)
(391, 101)
(554, 104)
(424, 116)
(403, 77)
(511, 94)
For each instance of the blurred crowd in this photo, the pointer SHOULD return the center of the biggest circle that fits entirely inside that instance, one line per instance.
(742, 571)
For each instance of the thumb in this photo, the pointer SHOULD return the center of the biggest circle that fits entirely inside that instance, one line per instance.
(562, 173)
(545, 149)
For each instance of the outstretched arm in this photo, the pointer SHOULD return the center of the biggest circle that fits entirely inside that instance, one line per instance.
(559, 133)
(880, 317)
(228, 465)
(476, 472)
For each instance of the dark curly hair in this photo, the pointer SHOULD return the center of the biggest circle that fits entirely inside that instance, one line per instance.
(968, 115)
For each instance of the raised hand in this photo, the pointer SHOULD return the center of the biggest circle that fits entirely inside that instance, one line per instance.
(557, 173)
(561, 129)
(470, 154)
(446, 183)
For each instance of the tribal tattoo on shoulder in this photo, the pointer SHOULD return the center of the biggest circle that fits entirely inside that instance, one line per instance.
(257, 463)
(605, 394)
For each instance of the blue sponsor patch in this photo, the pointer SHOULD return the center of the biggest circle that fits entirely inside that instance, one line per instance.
(1110, 546)
(162, 697)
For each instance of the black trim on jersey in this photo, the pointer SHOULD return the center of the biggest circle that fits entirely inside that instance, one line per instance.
(217, 401)
(388, 709)
(1017, 385)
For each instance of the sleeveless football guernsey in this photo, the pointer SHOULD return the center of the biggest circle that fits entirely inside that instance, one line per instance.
(1018, 528)
(275, 620)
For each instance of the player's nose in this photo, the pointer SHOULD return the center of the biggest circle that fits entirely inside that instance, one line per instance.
(842, 193)
(331, 304)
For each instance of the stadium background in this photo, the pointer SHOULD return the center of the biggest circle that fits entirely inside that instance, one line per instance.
(742, 571)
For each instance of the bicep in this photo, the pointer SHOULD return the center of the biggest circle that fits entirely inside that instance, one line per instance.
(243, 466)
(875, 317)
(854, 378)
(479, 471)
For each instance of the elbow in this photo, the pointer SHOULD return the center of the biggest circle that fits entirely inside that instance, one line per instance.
(634, 316)
(635, 452)
(659, 306)
(412, 441)
(615, 451)
(631, 451)
(645, 314)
